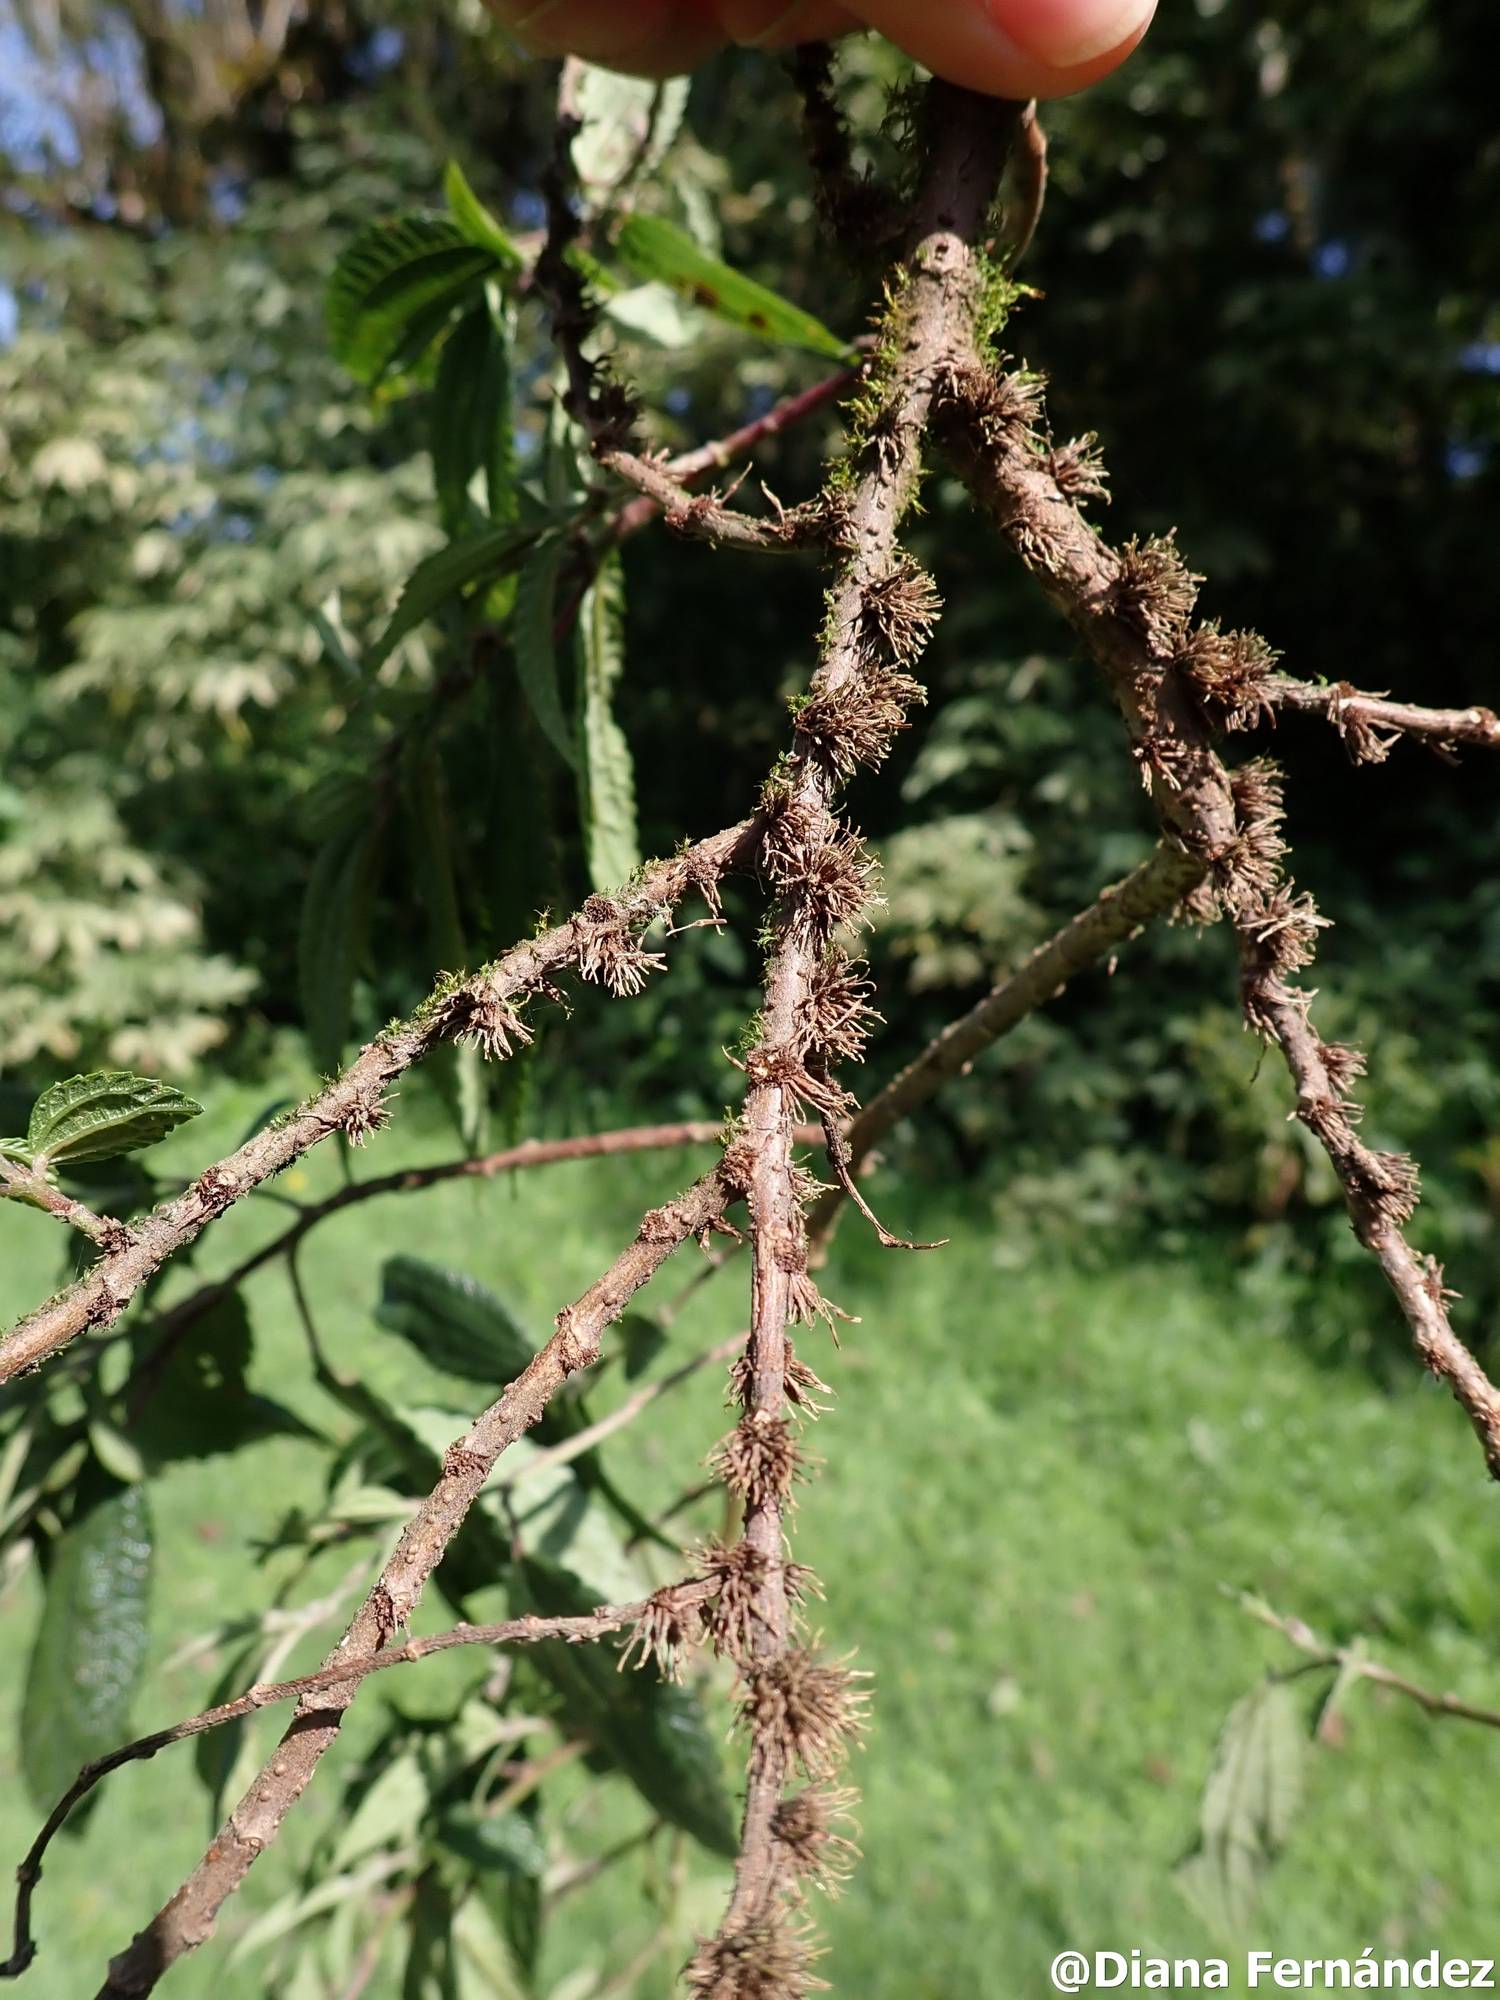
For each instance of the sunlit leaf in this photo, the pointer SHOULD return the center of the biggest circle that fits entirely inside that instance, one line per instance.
(475, 221)
(448, 574)
(409, 270)
(333, 936)
(90, 1645)
(455, 1322)
(533, 638)
(101, 1115)
(658, 250)
(1249, 1802)
(607, 777)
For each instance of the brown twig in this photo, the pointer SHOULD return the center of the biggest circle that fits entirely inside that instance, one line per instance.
(1371, 724)
(176, 1320)
(347, 1674)
(1156, 887)
(21, 1185)
(600, 942)
(188, 1918)
(880, 610)
(1132, 607)
(1353, 1662)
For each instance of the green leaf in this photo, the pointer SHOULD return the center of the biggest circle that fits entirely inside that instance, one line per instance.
(90, 1646)
(410, 271)
(532, 636)
(475, 222)
(606, 793)
(628, 124)
(197, 1402)
(1249, 1802)
(642, 1339)
(658, 250)
(115, 1452)
(454, 1321)
(333, 936)
(656, 1732)
(101, 1115)
(448, 574)
(508, 1843)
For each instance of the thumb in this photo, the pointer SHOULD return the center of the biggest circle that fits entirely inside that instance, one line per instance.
(1014, 48)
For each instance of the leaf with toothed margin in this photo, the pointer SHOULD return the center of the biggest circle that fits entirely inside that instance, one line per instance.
(100, 1116)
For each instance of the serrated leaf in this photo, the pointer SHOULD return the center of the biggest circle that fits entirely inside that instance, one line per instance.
(409, 271)
(532, 632)
(657, 1733)
(101, 1115)
(1249, 1802)
(475, 222)
(333, 934)
(642, 1339)
(657, 250)
(448, 574)
(392, 1809)
(455, 1322)
(606, 794)
(90, 1645)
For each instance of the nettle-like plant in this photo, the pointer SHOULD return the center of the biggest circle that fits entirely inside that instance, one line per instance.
(442, 1813)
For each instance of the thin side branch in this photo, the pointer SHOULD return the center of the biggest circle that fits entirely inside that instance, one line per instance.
(1155, 888)
(1371, 724)
(269, 1694)
(1133, 607)
(20, 1185)
(188, 1919)
(599, 942)
(1353, 1662)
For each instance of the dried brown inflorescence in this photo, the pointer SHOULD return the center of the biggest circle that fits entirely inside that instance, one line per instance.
(1229, 672)
(769, 1957)
(806, 1712)
(814, 1829)
(759, 1460)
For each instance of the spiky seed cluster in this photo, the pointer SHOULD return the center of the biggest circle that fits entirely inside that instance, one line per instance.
(1389, 1184)
(1285, 929)
(1245, 878)
(801, 1386)
(768, 1958)
(1078, 468)
(610, 952)
(1228, 672)
(897, 613)
(1003, 404)
(795, 828)
(481, 1018)
(364, 1119)
(855, 724)
(835, 890)
(836, 1014)
(805, 1712)
(1155, 592)
(736, 1577)
(669, 1627)
(776, 1063)
(1345, 1066)
(759, 1460)
(813, 1829)
(807, 1305)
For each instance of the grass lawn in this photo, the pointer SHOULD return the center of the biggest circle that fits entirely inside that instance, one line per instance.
(1035, 1482)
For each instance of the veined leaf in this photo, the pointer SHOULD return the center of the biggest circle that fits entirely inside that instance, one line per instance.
(409, 270)
(532, 636)
(508, 1843)
(656, 249)
(333, 934)
(475, 222)
(448, 574)
(200, 1402)
(90, 1645)
(457, 1323)
(607, 777)
(101, 1115)
(1249, 1802)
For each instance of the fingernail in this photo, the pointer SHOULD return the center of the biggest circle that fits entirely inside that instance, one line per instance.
(1067, 33)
